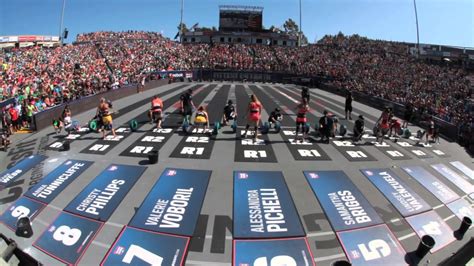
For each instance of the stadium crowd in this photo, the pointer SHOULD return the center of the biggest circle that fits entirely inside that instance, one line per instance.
(44, 77)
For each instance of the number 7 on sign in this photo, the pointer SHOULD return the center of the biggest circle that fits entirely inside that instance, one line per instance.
(143, 254)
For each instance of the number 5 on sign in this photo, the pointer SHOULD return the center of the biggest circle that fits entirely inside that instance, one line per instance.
(143, 254)
(377, 249)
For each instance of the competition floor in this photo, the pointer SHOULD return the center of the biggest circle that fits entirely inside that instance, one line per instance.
(279, 200)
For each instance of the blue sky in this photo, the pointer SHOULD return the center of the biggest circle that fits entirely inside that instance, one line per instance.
(448, 22)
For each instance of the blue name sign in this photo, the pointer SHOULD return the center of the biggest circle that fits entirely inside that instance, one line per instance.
(100, 198)
(174, 203)
(290, 251)
(263, 207)
(57, 180)
(68, 237)
(344, 204)
(138, 247)
(21, 208)
(431, 183)
(396, 191)
(9, 175)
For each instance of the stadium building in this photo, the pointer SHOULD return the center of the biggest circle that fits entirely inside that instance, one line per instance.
(240, 24)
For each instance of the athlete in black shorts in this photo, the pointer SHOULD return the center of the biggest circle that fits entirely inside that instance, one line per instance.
(229, 113)
(275, 116)
(187, 105)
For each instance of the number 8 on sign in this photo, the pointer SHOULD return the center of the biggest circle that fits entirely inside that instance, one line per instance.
(377, 248)
(67, 235)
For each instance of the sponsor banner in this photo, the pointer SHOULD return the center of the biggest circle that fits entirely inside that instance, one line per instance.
(396, 191)
(464, 169)
(27, 38)
(57, 180)
(459, 180)
(417, 151)
(68, 237)
(21, 208)
(103, 195)
(344, 204)
(375, 245)
(289, 251)
(461, 208)
(303, 151)
(248, 150)
(151, 141)
(174, 203)
(263, 207)
(351, 151)
(429, 223)
(196, 146)
(9, 175)
(138, 247)
(431, 183)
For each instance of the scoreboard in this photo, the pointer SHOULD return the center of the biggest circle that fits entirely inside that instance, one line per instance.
(240, 18)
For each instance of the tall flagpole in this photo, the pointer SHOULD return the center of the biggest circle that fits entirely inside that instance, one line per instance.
(417, 29)
(61, 23)
(181, 22)
(299, 33)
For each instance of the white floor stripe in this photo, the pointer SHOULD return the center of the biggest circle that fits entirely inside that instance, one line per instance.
(406, 236)
(321, 234)
(226, 237)
(114, 224)
(198, 262)
(100, 244)
(395, 220)
(437, 207)
(449, 217)
(337, 256)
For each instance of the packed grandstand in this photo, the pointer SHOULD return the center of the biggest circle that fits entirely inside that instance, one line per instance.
(40, 77)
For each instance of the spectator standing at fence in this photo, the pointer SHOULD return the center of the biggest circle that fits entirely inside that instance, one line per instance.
(348, 105)
(15, 118)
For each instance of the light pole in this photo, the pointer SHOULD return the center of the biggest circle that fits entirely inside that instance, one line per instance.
(417, 30)
(61, 23)
(299, 33)
(181, 22)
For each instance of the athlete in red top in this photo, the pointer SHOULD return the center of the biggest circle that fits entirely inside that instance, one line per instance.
(301, 119)
(254, 111)
(156, 111)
